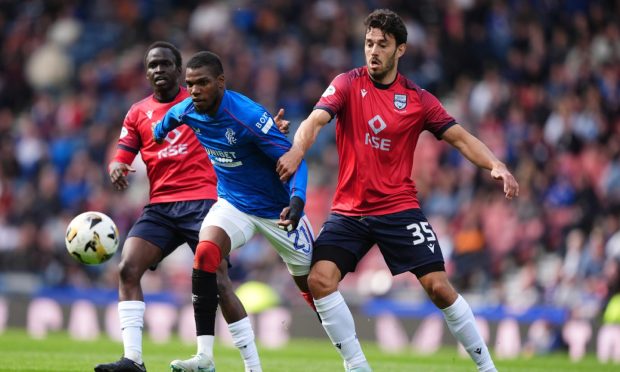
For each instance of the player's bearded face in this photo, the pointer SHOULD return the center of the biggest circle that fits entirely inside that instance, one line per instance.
(205, 89)
(381, 53)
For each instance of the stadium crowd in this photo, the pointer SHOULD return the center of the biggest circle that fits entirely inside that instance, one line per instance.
(538, 81)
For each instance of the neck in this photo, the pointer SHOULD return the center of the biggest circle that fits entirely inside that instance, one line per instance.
(388, 79)
(166, 96)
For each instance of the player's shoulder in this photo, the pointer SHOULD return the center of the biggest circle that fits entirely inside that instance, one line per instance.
(141, 105)
(409, 85)
(243, 106)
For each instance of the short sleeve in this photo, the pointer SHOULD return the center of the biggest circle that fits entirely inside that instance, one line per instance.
(334, 97)
(436, 118)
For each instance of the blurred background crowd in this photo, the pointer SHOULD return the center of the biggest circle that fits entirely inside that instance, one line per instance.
(537, 80)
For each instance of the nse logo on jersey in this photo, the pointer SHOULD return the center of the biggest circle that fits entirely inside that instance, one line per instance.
(377, 124)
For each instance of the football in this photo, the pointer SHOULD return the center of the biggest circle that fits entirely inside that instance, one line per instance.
(92, 238)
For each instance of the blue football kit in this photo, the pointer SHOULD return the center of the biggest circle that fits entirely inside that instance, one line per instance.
(243, 144)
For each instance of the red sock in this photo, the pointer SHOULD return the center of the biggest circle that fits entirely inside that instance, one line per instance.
(308, 297)
(208, 256)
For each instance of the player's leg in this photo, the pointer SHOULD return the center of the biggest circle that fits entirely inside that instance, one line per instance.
(330, 263)
(459, 317)
(408, 243)
(218, 235)
(295, 247)
(137, 256)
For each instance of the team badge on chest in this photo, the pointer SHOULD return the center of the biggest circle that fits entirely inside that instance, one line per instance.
(400, 101)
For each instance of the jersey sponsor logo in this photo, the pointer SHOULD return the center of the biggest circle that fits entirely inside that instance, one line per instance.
(230, 136)
(377, 124)
(172, 150)
(223, 158)
(264, 123)
(400, 101)
(329, 91)
(124, 132)
(364, 92)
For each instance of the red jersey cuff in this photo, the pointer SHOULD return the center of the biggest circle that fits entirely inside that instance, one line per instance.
(124, 156)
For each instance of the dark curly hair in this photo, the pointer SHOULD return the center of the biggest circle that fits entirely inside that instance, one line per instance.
(388, 22)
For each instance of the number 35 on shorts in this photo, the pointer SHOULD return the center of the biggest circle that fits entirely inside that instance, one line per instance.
(421, 232)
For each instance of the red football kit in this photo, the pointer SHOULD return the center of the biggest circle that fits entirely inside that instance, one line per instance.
(179, 169)
(377, 130)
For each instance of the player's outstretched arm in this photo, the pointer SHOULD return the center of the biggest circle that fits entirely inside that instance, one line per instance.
(479, 154)
(168, 123)
(118, 174)
(304, 138)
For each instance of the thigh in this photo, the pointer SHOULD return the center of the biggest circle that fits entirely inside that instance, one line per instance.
(294, 247)
(157, 227)
(189, 216)
(237, 225)
(406, 241)
(343, 240)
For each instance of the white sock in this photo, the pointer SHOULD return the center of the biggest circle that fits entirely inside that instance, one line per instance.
(243, 339)
(131, 316)
(204, 345)
(340, 327)
(462, 324)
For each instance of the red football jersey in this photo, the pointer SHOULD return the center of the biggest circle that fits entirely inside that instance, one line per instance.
(179, 169)
(377, 129)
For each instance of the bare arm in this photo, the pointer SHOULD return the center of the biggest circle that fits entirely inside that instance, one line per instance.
(304, 138)
(479, 154)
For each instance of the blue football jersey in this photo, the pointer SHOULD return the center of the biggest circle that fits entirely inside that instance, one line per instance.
(244, 145)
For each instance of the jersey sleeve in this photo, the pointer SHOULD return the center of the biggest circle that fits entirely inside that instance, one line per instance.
(334, 97)
(129, 141)
(170, 121)
(436, 118)
(274, 144)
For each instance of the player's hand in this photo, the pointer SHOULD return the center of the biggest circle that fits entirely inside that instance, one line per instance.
(289, 218)
(511, 187)
(155, 138)
(281, 123)
(118, 174)
(288, 163)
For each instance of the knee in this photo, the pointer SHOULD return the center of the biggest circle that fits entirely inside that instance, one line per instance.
(129, 272)
(321, 283)
(208, 256)
(441, 293)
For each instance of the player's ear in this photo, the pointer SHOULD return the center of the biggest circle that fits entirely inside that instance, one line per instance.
(400, 50)
(221, 81)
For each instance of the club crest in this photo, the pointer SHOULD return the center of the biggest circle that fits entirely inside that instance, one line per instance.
(230, 136)
(400, 101)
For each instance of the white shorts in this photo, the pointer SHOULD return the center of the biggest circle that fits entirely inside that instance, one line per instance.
(294, 247)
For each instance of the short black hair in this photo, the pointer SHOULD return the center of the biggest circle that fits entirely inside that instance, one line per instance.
(206, 59)
(178, 60)
(388, 22)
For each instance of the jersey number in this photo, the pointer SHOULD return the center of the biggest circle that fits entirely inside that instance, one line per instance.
(421, 232)
(305, 243)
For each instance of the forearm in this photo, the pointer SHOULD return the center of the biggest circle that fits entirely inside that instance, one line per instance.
(471, 147)
(308, 130)
(479, 154)
(299, 181)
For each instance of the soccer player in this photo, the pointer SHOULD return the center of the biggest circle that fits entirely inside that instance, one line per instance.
(243, 144)
(380, 115)
(183, 188)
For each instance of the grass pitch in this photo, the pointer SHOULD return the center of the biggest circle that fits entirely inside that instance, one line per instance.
(58, 352)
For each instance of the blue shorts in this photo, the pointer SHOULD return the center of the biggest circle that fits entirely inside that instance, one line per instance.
(405, 239)
(168, 225)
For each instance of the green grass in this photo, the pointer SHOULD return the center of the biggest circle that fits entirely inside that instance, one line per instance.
(58, 352)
